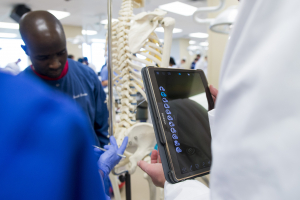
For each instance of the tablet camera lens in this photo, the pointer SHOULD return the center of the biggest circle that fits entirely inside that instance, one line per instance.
(190, 151)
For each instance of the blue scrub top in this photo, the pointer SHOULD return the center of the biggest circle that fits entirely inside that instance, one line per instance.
(83, 86)
(104, 73)
(45, 151)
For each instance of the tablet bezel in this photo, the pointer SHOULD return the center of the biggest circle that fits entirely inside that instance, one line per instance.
(170, 149)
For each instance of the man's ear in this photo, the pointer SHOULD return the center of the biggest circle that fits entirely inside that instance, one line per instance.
(24, 47)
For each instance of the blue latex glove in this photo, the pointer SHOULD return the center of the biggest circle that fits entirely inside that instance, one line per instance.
(109, 159)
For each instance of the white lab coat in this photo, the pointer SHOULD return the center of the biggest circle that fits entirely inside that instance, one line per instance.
(93, 67)
(256, 135)
(202, 64)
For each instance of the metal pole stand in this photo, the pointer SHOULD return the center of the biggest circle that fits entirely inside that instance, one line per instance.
(128, 186)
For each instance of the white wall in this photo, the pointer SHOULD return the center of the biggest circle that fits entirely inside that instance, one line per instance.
(175, 50)
(179, 51)
(71, 32)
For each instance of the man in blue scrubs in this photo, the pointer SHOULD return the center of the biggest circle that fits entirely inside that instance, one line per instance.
(38, 160)
(45, 44)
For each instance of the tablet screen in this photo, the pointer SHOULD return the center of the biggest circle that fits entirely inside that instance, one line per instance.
(183, 106)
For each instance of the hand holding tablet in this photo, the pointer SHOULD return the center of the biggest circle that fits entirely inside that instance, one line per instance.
(179, 101)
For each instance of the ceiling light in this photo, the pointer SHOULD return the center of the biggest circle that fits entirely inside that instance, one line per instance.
(204, 44)
(99, 40)
(9, 25)
(105, 21)
(161, 30)
(192, 42)
(192, 48)
(179, 8)
(8, 35)
(59, 14)
(199, 35)
(88, 32)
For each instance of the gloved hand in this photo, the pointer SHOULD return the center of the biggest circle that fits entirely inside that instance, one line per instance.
(109, 159)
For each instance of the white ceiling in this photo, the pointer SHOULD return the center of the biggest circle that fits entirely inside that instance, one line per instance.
(88, 13)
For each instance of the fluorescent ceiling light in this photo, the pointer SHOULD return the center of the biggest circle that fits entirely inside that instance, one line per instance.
(204, 44)
(199, 35)
(99, 40)
(105, 21)
(179, 8)
(59, 14)
(8, 35)
(9, 25)
(192, 42)
(88, 32)
(161, 30)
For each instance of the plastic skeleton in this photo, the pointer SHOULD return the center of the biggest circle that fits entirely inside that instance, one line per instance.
(130, 35)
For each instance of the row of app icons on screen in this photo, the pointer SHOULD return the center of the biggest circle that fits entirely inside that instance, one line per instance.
(170, 119)
(196, 166)
(169, 73)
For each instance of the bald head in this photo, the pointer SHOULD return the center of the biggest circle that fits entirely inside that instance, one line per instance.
(45, 42)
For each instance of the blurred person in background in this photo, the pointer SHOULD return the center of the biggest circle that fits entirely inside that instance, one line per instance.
(202, 64)
(172, 63)
(182, 62)
(71, 57)
(12, 68)
(80, 60)
(104, 75)
(91, 65)
(193, 65)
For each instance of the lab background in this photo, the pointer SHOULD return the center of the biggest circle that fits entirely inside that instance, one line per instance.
(85, 24)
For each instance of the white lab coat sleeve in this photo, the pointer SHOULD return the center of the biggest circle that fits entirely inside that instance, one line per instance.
(187, 190)
(211, 117)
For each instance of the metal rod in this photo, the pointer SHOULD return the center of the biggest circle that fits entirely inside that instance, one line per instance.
(128, 186)
(110, 69)
(122, 156)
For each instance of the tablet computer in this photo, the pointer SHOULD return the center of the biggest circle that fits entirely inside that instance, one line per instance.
(179, 101)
